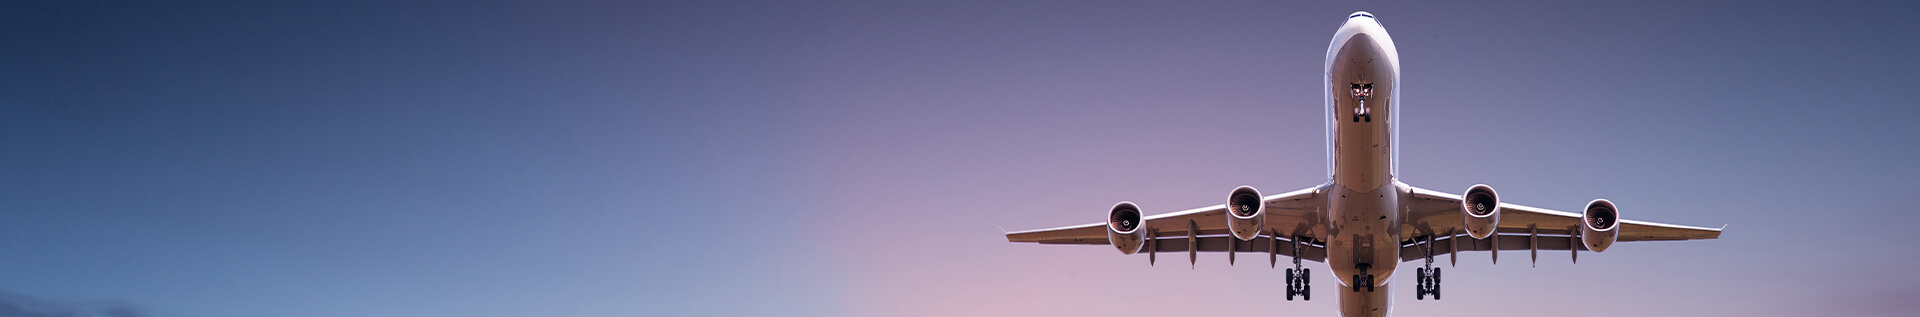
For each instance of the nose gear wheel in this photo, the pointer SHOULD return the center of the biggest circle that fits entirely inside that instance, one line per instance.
(1360, 92)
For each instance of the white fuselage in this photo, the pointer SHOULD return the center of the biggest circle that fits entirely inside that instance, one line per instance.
(1364, 196)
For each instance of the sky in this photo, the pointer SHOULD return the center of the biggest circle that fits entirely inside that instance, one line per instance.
(731, 158)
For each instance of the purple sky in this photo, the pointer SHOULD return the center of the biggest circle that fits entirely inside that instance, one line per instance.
(859, 159)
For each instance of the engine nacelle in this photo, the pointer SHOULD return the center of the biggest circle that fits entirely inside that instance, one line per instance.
(1599, 225)
(1481, 211)
(1125, 227)
(1246, 213)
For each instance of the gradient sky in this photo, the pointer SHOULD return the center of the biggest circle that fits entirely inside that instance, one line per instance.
(720, 158)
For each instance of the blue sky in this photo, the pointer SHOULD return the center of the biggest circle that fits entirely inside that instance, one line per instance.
(849, 158)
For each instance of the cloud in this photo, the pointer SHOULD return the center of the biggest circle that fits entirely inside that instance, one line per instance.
(16, 305)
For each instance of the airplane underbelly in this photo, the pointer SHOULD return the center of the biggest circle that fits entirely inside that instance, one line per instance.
(1362, 241)
(1361, 99)
(1377, 303)
(1363, 158)
(1362, 231)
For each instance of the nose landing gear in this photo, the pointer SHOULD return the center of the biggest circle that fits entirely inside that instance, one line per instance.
(1360, 92)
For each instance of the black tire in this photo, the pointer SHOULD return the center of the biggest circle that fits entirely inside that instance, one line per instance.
(1436, 278)
(1306, 277)
(1420, 277)
(1356, 283)
(1306, 292)
(1289, 279)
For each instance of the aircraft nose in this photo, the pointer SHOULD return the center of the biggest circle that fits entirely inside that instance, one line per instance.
(1360, 46)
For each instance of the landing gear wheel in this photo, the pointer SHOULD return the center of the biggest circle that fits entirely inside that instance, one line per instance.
(1356, 283)
(1298, 283)
(1420, 284)
(1436, 283)
(1429, 283)
(1290, 285)
(1306, 284)
(1360, 279)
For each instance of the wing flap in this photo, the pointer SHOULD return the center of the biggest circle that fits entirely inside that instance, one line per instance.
(1508, 241)
(1310, 252)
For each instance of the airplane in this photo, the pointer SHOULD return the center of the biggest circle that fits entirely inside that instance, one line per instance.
(1363, 221)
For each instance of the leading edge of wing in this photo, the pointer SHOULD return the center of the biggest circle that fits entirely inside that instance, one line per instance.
(1087, 233)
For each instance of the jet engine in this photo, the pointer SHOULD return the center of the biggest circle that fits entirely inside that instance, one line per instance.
(1246, 213)
(1600, 225)
(1482, 211)
(1124, 227)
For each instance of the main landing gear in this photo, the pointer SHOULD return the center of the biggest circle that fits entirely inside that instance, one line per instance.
(1428, 277)
(1360, 280)
(1298, 278)
(1297, 284)
(1429, 283)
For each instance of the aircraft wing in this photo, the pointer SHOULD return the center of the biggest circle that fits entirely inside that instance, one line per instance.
(1204, 229)
(1438, 215)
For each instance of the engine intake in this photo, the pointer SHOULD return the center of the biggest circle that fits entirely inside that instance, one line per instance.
(1600, 225)
(1124, 227)
(1480, 211)
(1246, 213)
